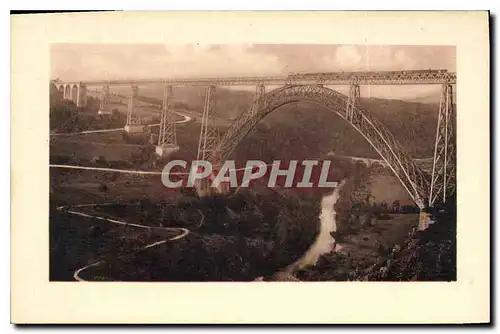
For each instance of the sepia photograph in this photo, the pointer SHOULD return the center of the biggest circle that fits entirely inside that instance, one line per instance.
(205, 162)
(250, 167)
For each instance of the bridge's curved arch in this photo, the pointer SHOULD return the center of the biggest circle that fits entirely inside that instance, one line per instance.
(414, 180)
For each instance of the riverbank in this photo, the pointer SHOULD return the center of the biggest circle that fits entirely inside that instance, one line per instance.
(358, 251)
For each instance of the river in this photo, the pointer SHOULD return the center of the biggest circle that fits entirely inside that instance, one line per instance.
(324, 243)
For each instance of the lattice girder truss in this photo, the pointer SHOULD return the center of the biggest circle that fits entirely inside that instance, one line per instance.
(167, 134)
(353, 101)
(132, 117)
(209, 133)
(259, 100)
(104, 105)
(443, 178)
(405, 77)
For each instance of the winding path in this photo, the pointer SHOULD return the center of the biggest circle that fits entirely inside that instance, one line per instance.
(102, 169)
(129, 171)
(183, 232)
(185, 120)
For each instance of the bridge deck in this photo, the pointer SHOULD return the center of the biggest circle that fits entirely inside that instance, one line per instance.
(413, 77)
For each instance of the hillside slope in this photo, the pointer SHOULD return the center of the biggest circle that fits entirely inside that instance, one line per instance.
(306, 130)
(412, 123)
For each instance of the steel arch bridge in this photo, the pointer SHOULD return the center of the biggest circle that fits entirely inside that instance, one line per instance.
(415, 181)
(426, 189)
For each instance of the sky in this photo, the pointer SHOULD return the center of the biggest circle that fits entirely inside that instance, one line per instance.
(133, 61)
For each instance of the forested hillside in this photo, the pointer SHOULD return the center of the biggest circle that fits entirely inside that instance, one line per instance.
(412, 123)
(306, 130)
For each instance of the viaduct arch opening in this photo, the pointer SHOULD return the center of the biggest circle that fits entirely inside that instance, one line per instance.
(67, 91)
(74, 93)
(413, 179)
